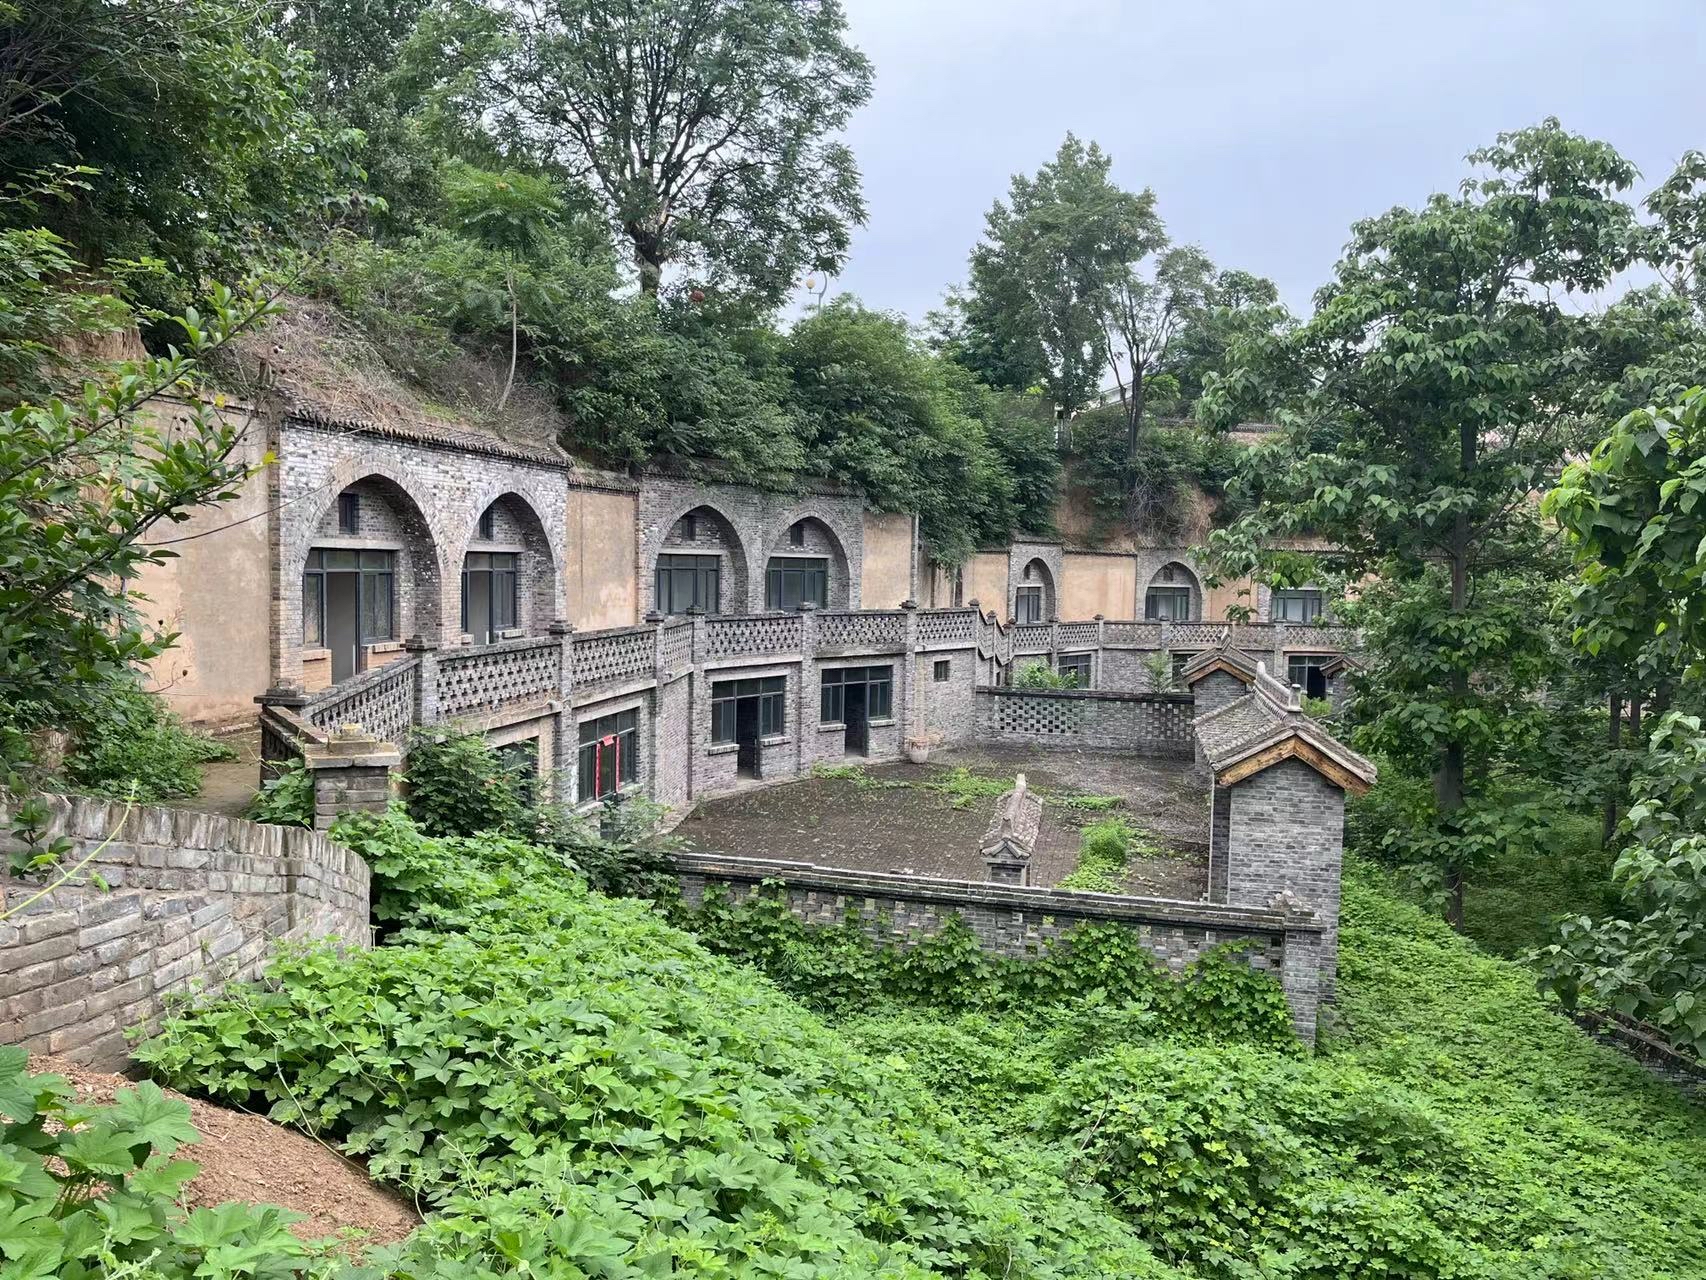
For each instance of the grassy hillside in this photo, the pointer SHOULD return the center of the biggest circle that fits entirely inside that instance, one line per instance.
(580, 1089)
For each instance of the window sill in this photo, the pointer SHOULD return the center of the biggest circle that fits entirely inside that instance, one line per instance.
(832, 726)
(722, 748)
(775, 740)
(316, 655)
(385, 646)
(626, 790)
(887, 722)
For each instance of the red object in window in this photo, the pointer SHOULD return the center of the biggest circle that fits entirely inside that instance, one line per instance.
(608, 740)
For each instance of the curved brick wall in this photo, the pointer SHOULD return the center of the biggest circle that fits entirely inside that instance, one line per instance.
(194, 901)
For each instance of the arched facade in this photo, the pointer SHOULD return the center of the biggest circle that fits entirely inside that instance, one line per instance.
(700, 563)
(507, 585)
(1174, 594)
(1034, 598)
(807, 562)
(371, 574)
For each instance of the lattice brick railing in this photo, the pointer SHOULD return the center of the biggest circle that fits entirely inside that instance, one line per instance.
(1032, 637)
(1079, 635)
(675, 647)
(761, 633)
(1308, 636)
(1255, 637)
(865, 630)
(1193, 635)
(507, 673)
(944, 626)
(608, 657)
(382, 701)
(1135, 635)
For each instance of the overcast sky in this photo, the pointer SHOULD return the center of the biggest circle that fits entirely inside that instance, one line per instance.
(1265, 129)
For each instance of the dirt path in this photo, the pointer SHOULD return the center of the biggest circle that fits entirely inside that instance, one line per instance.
(227, 786)
(889, 817)
(249, 1159)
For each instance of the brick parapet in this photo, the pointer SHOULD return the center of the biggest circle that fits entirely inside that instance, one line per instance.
(193, 900)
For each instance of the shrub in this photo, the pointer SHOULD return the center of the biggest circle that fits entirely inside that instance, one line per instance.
(131, 744)
(459, 785)
(1105, 848)
(286, 800)
(91, 1191)
(1039, 675)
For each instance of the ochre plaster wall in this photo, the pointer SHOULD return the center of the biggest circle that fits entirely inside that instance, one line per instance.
(986, 582)
(216, 593)
(600, 550)
(1092, 585)
(886, 579)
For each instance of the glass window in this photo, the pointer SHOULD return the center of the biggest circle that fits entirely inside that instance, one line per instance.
(609, 754)
(687, 529)
(349, 513)
(491, 582)
(1302, 605)
(1076, 665)
(797, 534)
(378, 595)
(313, 602)
(879, 695)
(944, 669)
(684, 582)
(1167, 604)
(771, 693)
(1304, 669)
(795, 580)
(1028, 604)
(488, 522)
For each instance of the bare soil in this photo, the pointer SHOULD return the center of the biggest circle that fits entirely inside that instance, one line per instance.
(890, 819)
(228, 786)
(246, 1158)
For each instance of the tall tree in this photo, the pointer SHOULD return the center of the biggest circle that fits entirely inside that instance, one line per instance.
(708, 127)
(1440, 383)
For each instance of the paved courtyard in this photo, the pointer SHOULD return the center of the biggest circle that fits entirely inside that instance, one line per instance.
(904, 817)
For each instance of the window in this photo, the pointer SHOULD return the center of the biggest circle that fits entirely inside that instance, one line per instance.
(349, 513)
(771, 693)
(792, 581)
(1305, 669)
(797, 534)
(1167, 604)
(313, 603)
(1180, 661)
(609, 754)
(687, 529)
(1297, 606)
(1076, 665)
(687, 582)
(879, 693)
(489, 593)
(378, 597)
(488, 523)
(1028, 604)
(944, 669)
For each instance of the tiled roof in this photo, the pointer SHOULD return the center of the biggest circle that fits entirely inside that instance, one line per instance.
(1224, 655)
(1268, 721)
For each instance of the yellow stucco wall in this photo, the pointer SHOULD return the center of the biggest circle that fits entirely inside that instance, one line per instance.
(986, 582)
(217, 594)
(600, 550)
(886, 577)
(1097, 584)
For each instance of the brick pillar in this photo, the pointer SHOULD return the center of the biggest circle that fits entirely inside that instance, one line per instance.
(352, 774)
(911, 716)
(696, 616)
(1097, 678)
(426, 678)
(566, 741)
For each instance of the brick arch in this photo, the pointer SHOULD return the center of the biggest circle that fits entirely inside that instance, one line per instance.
(735, 587)
(540, 595)
(829, 542)
(1036, 572)
(1182, 575)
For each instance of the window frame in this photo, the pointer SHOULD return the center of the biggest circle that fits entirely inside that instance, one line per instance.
(1028, 600)
(1170, 591)
(943, 671)
(804, 568)
(624, 726)
(349, 514)
(832, 695)
(698, 569)
(1074, 663)
(503, 594)
(1311, 599)
(1305, 661)
(726, 695)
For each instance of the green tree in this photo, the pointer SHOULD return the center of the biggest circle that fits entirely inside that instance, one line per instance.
(1438, 385)
(707, 127)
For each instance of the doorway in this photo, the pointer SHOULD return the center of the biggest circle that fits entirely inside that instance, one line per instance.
(343, 624)
(747, 738)
(857, 717)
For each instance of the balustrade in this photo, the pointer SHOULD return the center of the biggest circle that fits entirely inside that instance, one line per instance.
(498, 675)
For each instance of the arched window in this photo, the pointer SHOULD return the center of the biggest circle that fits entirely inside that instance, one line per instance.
(1033, 598)
(700, 565)
(507, 572)
(1173, 596)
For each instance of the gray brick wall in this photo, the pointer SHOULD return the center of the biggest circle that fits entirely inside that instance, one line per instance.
(1155, 724)
(1285, 836)
(194, 901)
(1016, 920)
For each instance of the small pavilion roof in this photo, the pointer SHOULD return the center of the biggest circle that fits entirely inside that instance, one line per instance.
(1268, 725)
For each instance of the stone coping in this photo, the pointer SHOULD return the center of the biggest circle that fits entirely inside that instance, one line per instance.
(971, 893)
(1088, 695)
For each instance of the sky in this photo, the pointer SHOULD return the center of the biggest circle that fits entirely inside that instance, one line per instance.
(1265, 130)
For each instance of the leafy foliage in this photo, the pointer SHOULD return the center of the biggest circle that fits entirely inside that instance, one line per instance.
(286, 800)
(1105, 849)
(570, 1083)
(90, 1191)
(1039, 675)
(130, 744)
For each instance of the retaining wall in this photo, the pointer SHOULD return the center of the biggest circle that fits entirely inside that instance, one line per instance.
(193, 901)
(1150, 724)
(1021, 921)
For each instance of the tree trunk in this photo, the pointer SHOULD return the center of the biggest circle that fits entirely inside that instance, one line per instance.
(1448, 778)
(1635, 721)
(649, 258)
(1613, 740)
(514, 335)
(1134, 414)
